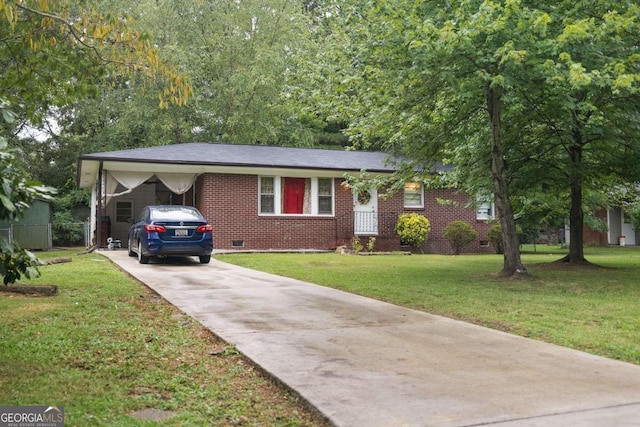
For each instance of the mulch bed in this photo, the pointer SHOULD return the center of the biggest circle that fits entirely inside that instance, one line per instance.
(43, 290)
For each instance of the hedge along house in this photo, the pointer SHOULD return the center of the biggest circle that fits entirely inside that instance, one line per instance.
(268, 198)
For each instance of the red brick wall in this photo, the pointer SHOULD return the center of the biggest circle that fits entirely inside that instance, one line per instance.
(230, 203)
(595, 237)
(439, 215)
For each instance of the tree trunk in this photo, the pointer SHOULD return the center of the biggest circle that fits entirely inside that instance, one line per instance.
(576, 215)
(576, 225)
(510, 243)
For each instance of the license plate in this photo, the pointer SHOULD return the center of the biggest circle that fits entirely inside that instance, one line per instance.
(181, 232)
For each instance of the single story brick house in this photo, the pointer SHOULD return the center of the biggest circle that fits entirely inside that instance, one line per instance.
(269, 198)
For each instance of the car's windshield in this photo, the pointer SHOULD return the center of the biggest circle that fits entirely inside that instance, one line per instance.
(175, 213)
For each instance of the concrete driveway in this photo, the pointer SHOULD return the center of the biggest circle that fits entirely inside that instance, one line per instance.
(362, 362)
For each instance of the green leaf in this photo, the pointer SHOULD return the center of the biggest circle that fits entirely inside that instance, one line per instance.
(6, 202)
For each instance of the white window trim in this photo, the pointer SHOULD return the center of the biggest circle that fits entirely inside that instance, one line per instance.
(315, 196)
(483, 205)
(275, 194)
(277, 188)
(404, 201)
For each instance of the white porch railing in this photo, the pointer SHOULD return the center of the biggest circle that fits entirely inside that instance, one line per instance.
(365, 223)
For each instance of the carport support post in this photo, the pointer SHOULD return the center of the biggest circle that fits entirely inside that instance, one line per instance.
(99, 207)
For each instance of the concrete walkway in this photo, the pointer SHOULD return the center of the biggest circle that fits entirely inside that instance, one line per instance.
(362, 362)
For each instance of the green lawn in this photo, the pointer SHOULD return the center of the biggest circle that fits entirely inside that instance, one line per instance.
(106, 346)
(595, 309)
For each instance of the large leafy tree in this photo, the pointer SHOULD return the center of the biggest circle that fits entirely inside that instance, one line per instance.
(237, 55)
(52, 53)
(502, 89)
(583, 97)
(240, 53)
(427, 82)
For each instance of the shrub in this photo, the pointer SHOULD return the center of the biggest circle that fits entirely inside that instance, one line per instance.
(371, 244)
(67, 231)
(15, 262)
(413, 229)
(459, 234)
(356, 244)
(495, 236)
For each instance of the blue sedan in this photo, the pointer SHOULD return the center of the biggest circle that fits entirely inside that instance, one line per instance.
(170, 230)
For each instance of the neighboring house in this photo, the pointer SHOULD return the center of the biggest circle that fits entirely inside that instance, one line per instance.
(265, 197)
(33, 231)
(621, 229)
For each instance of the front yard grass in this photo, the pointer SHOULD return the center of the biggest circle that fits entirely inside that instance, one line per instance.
(106, 346)
(594, 309)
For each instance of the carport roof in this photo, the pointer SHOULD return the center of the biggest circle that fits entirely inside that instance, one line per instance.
(233, 158)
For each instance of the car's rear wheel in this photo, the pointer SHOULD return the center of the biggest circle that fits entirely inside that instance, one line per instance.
(204, 259)
(142, 259)
(130, 247)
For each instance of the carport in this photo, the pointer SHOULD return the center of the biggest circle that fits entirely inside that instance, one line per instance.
(168, 174)
(121, 186)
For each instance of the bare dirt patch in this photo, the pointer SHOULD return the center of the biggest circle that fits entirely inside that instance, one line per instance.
(561, 265)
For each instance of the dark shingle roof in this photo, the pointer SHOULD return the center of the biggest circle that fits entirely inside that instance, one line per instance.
(251, 156)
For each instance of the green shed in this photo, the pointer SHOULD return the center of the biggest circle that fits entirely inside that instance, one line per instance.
(33, 231)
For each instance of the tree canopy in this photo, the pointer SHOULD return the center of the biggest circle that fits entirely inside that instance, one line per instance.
(54, 51)
(51, 54)
(237, 57)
